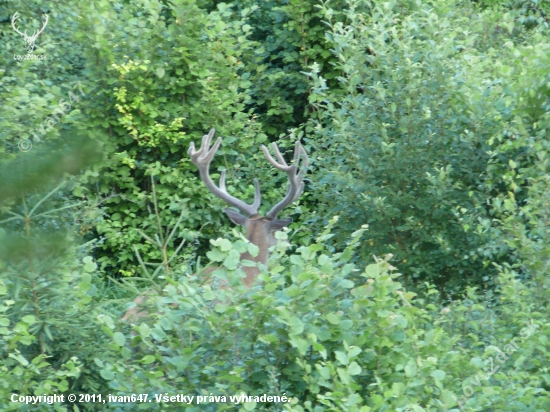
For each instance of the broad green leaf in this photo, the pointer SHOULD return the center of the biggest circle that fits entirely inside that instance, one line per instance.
(410, 368)
(119, 339)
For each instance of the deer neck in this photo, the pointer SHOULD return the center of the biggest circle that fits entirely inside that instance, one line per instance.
(257, 235)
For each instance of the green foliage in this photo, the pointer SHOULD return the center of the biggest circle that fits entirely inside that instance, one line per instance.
(46, 291)
(39, 99)
(288, 37)
(213, 70)
(426, 120)
(47, 164)
(405, 149)
(530, 13)
(330, 336)
(517, 168)
(153, 102)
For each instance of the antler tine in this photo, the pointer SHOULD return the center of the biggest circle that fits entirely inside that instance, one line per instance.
(299, 150)
(295, 176)
(257, 195)
(202, 159)
(280, 157)
(208, 154)
(222, 181)
(282, 165)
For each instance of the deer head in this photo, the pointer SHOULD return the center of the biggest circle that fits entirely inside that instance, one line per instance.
(30, 40)
(260, 230)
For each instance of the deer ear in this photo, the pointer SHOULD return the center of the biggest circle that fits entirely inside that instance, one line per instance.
(278, 224)
(235, 217)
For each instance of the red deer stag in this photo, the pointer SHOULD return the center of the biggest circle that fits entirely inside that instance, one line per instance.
(260, 230)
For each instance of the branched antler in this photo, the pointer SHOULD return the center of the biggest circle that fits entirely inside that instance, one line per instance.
(295, 176)
(202, 159)
(13, 20)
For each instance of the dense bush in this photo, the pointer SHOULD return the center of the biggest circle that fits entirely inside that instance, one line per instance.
(425, 120)
(48, 286)
(407, 146)
(325, 333)
(334, 336)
